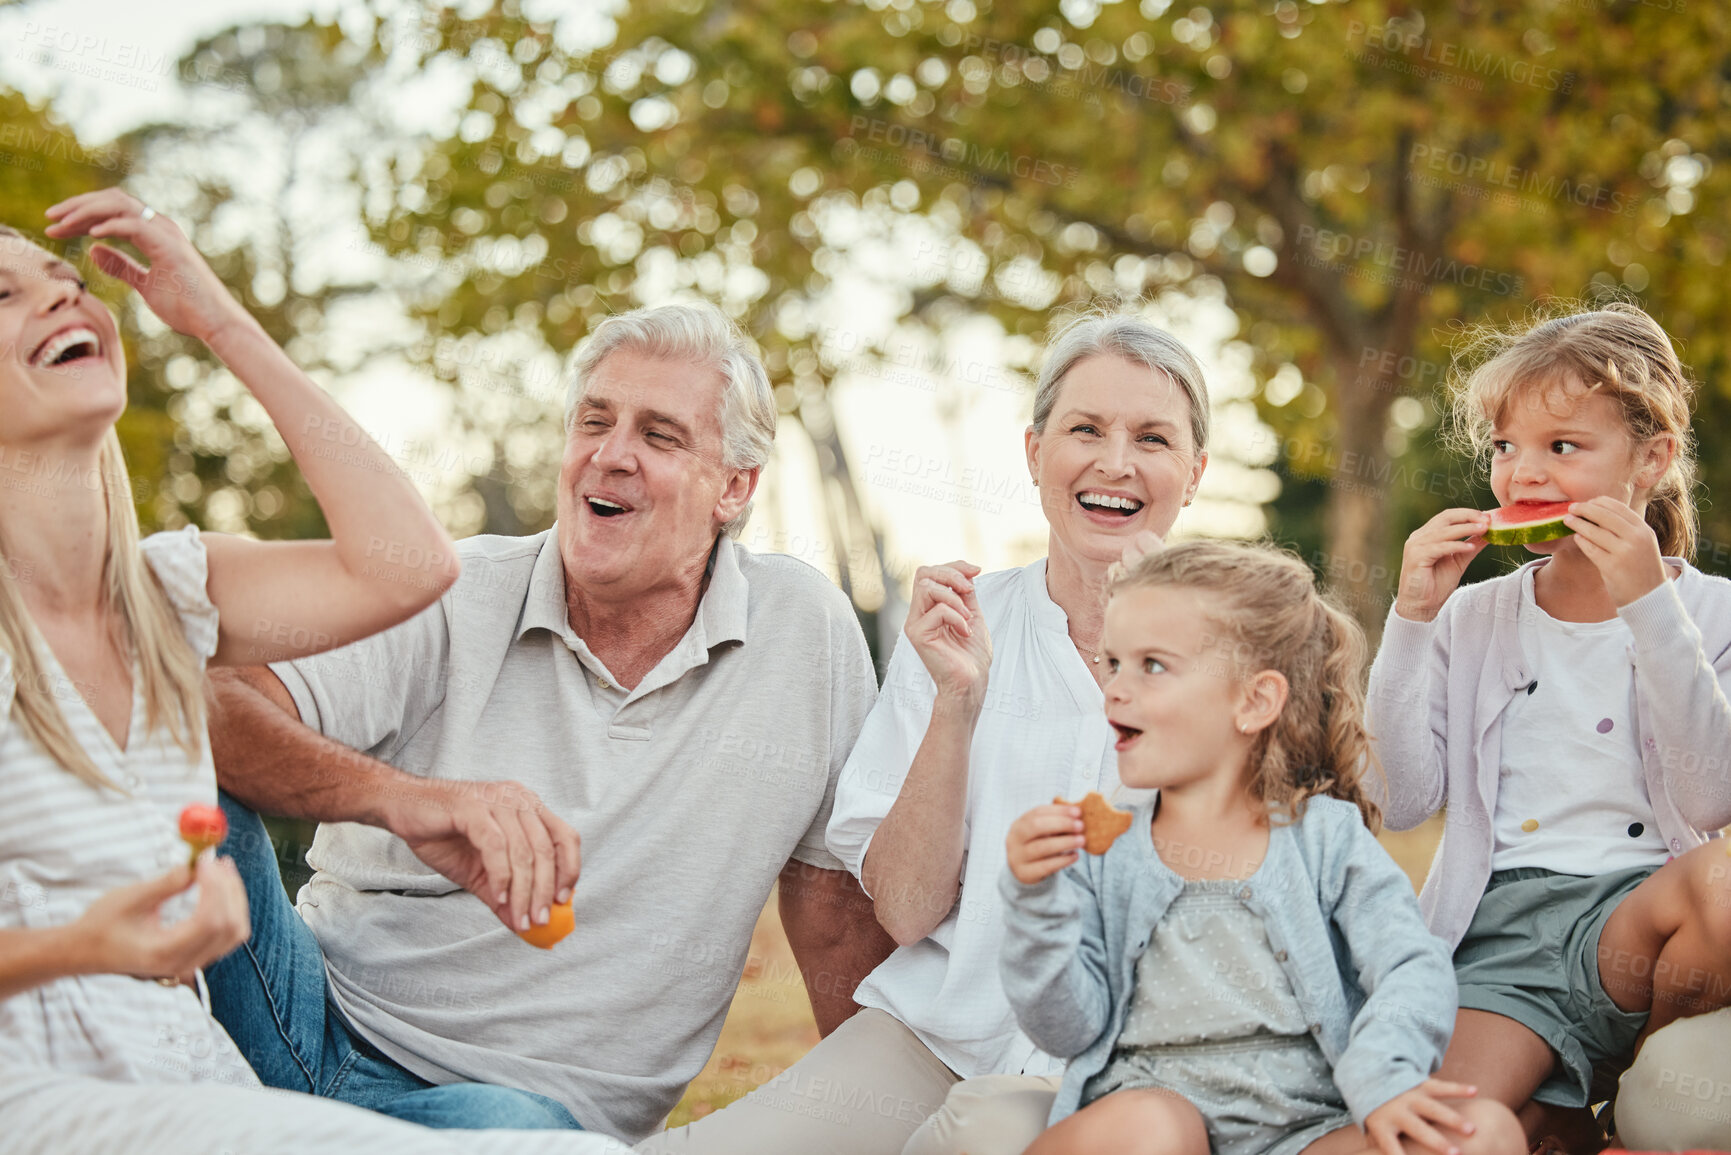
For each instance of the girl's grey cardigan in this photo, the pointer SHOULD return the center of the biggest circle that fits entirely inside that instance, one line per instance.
(1377, 988)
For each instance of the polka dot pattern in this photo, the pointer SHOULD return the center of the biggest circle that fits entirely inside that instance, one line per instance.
(1570, 793)
(1208, 973)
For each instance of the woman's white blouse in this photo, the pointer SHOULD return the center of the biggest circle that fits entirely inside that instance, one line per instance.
(64, 843)
(1042, 734)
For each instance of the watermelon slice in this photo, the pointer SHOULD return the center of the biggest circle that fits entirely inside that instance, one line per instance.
(1526, 522)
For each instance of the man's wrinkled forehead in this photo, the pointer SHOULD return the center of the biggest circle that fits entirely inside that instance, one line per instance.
(626, 382)
(642, 414)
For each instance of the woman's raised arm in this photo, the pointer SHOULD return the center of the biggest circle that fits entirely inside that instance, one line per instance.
(387, 558)
(913, 868)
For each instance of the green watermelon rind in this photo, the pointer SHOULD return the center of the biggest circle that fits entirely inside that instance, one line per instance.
(1529, 534)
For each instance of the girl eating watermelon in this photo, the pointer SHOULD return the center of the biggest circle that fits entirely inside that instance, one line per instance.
(1569, 716)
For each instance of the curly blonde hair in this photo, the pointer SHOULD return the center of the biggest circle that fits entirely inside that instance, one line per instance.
(1272, 618)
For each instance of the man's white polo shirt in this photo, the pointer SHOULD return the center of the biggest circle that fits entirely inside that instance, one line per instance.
(690, 793)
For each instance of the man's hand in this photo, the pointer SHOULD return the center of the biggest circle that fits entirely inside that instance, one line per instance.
(496, 840)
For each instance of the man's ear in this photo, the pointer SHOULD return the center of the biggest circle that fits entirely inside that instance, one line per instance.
(741, 484)
(1263, 697)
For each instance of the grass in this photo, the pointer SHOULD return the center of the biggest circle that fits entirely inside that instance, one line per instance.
(769, 1026)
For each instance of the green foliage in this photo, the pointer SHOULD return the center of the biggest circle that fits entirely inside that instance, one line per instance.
(1360, 179)
(222, 464)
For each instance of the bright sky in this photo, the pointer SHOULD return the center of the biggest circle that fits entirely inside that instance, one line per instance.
(937, 451)
(109, 64)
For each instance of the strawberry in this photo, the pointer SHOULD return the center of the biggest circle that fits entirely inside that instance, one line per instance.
(201, 827)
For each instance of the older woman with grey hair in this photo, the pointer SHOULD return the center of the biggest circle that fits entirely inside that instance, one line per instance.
(992, 707)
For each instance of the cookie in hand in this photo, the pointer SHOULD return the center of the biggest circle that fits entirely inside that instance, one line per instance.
(1102, 823)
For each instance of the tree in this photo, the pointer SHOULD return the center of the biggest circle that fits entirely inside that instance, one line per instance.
(250, 179)
(1358, 178)
(42, 163)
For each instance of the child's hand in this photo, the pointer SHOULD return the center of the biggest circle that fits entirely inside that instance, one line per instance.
(1620, 543)
(1412, 1113)
(1435, 556)
(1044, 841)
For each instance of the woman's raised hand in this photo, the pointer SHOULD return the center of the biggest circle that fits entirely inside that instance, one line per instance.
(178, 285)
(948, 630)
(388, 557)
(1435, 557)
(122, 932)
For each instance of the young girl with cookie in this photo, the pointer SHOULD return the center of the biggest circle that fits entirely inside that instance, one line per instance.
(1571, 715)
(1245, 969)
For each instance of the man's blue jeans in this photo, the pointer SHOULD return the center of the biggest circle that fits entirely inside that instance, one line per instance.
(271, 997)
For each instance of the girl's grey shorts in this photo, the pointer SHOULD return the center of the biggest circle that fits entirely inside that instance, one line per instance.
(1266, 1095)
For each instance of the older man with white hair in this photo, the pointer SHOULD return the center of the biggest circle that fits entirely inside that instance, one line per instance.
(638, 677)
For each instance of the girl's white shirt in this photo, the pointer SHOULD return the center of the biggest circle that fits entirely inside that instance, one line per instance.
(64, 843)
(1572, 797)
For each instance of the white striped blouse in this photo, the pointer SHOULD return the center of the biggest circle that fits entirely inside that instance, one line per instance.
(63, 843)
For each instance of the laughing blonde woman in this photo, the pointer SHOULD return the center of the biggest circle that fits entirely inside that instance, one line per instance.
(106, 1043)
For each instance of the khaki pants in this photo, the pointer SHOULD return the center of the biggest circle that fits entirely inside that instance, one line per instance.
(989, 1115)
(870, 1088)
(45, 1112)
(1677, 1096)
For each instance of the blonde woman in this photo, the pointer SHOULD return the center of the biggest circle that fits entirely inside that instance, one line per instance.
(105, 1042)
